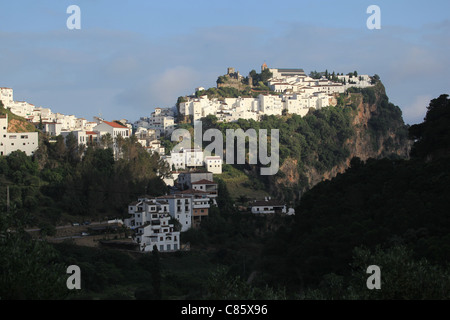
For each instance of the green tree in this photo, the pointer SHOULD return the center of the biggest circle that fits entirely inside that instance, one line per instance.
(402, 276)
(156, 273)
(106, 141)
(432, 137)
(29, 269)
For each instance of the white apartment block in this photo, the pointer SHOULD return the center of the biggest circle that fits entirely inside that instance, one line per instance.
(184, 158)
(187, 207)
(150, 219)
(80, 136)
(271, 105)
(161, 120)
(200, 203)
(213, 164)
(6, 96)
(52, 128)
(10, 142)
(180, 208)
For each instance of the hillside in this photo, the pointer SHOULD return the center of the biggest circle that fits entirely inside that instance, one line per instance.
(391, 213)
(378, 132)
(320, 145)
(16, 123)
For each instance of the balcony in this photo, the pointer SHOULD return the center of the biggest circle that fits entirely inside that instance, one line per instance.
(201, 206)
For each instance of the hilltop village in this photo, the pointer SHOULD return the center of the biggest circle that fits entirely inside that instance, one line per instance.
(194, 190)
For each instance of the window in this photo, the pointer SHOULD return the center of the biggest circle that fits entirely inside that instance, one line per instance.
(161, 248)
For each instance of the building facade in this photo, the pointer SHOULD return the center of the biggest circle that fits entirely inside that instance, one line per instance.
(150, 219)
(27, 142)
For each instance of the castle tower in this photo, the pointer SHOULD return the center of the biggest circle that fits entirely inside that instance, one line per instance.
(230, 71)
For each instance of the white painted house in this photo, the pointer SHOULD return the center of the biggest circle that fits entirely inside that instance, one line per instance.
(10, 142)
(150, 219)
(267, 206)
(213, 164)
(113, 128)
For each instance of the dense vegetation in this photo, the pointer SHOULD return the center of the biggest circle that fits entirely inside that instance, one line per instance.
(64, 182)
(320, 140)
(388, 212)
(398, 207)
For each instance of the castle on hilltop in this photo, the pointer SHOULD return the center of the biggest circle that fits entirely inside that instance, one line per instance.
(285, 90)
(232, 79)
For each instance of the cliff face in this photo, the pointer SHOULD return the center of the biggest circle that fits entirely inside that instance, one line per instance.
(379, 131)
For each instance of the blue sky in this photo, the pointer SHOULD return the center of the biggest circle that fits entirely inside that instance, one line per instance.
(130, 57)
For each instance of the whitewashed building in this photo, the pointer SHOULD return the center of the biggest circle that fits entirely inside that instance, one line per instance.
(27, 142)
(52, 128)
(213, 164)
(150, 217)
(267, 206)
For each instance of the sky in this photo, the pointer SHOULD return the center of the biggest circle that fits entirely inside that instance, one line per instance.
(130, 57)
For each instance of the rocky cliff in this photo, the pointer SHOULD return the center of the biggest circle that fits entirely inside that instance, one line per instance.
(379, 131)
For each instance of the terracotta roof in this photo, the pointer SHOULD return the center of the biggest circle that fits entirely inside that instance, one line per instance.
(115, 125)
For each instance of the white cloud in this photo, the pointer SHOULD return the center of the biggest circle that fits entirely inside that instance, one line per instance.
(415, 111)
(174, 82)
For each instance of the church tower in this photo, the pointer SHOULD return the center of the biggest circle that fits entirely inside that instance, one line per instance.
(263, 67)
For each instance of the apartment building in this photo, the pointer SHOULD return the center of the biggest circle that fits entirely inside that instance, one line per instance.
(150, 219)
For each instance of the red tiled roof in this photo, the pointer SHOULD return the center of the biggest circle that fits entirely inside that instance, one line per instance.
(115, 125)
